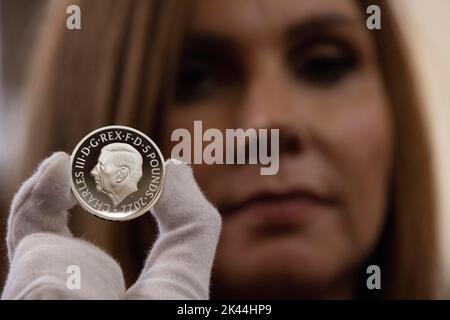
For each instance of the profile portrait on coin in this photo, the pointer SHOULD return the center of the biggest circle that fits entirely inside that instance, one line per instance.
(118, 171)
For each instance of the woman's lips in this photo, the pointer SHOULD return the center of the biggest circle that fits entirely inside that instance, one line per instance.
(294, 208)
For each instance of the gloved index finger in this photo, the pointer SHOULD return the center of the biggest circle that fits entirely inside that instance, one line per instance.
(180, 262)
(42, 202)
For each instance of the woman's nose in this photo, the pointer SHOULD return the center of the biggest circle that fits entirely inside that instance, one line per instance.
(266, 97)
(269, 103)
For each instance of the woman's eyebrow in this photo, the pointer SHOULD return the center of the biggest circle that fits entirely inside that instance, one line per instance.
(211, 43)
(205, 43)
(320, 23)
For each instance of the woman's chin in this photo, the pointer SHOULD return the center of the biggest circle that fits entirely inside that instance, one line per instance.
(281, 266)
(291, 259)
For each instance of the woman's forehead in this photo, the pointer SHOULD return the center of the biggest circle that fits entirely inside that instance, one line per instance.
(253, 19)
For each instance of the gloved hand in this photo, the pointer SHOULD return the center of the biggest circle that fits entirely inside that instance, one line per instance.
(41, 247)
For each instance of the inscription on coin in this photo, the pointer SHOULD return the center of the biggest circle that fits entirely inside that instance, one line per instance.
(117, 173)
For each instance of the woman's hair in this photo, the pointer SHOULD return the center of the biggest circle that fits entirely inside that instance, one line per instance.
(407, 252)
(119, 68)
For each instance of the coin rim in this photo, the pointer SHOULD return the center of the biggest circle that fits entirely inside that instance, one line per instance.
(87, 207)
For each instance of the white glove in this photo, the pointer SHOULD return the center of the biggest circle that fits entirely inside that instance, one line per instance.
(180, 262)
(41, 247)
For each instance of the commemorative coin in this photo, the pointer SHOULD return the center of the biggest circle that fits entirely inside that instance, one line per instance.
(117, 173)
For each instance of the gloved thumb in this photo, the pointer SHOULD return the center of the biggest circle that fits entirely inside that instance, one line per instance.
(42, 202)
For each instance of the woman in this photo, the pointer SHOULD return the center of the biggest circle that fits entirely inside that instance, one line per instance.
(355, 182)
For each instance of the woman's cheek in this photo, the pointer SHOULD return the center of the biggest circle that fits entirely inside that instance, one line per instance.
(361, 141)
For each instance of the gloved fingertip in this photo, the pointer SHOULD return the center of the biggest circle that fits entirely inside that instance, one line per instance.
(174, 162)
(55, 180)
(178, 179)
(182, 200)
(42, 202)
(176, 169)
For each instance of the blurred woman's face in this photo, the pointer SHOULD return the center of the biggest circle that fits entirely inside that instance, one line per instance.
(308, 68)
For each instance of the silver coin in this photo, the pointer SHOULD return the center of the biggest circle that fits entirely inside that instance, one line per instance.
(117, 173)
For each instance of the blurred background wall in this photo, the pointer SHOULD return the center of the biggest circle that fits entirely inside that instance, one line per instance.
(426, 27)
(19, 28)
(20, 22)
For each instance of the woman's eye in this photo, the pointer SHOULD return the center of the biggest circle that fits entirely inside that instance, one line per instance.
(323, 64)
(194, 79)
(200, 79)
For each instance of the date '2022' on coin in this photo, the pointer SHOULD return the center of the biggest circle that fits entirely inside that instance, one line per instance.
(117, 173)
